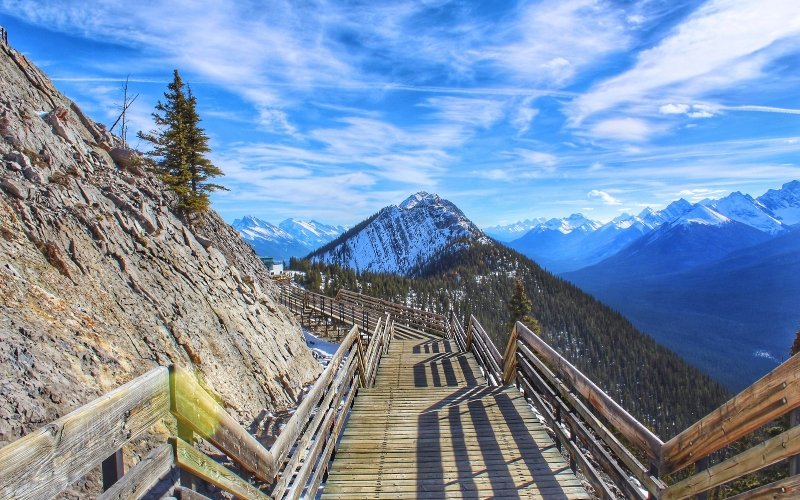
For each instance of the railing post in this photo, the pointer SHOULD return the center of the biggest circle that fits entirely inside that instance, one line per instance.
(700, 466)
(360, 352)
(468, 343)
(188, 480)
(794, 462)
(510, 358)
(113, 469)
(653, 473)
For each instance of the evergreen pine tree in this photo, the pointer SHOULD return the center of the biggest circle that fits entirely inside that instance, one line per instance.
(796, 344)
(520, 306)
(179, 148)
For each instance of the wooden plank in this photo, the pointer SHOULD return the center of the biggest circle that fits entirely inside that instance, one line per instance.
(297, 423)
(600, 488)
(50, 459)
(310, 463)
(143, 476)
(199, 411)
(773, 395)
(786, 488)
(639, 435)
(510, 358)
(201, 465)
(756, 458)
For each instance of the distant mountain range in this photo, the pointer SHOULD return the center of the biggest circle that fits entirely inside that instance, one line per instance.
(716, 281)
(401, 239)
(290, 238)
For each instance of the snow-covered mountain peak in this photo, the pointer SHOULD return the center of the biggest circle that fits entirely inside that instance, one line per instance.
(784, 203)
(290, 238)
(701, 215)
(402, 239)
(575, 222)
(654, 218)
(419, 199)
(743, 208)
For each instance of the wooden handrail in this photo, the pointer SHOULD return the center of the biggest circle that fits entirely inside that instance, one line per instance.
(626, 424)
(775, 394)
(295, 425)
(48, 460)
(193, 406)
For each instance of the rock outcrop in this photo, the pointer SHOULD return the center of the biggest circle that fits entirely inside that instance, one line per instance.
(100, 281)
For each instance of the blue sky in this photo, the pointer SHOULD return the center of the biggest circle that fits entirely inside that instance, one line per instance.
(332, 110)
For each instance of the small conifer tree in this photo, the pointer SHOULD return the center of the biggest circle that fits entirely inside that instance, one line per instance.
(796, 344)
(520, 308)
(180, 147)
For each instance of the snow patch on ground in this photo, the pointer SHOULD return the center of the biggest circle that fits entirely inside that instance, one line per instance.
(323, 350)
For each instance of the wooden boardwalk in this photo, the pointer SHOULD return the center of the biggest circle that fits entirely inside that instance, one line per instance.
(431, 427)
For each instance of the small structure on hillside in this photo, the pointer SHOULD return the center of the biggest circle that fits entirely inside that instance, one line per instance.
(275, 268)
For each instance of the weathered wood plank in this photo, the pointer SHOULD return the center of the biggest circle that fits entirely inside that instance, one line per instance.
(300, 448)
(407, 437)
(310, 462)
(600, 488)
(492, 349)
(786, 488)
(48, 460)
(756, 458)
(198, 463)
(143, 476)
(341, 418)
(620, 419)
(199, 411)
(773, 395)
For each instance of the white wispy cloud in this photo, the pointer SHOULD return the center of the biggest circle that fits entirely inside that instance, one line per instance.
(690, 110)
(604, 197)
(626, 129)
(524, 116)
(723, 43)
(554, 39)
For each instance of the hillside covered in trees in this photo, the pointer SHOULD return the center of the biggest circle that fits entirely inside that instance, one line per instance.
(651, 382)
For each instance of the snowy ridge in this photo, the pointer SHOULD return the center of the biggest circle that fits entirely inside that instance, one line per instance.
(701, 215)
(784, 203)
(513, 231)
(772, 214)
(290, 238)
(743, 208)
(402, 238)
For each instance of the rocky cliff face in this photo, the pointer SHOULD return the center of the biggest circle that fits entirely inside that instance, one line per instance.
(100, 281)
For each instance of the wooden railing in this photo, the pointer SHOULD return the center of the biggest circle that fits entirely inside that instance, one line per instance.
(359, 309)
(425, 321)
(51, 459)
(600, 436)
(307, 304)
